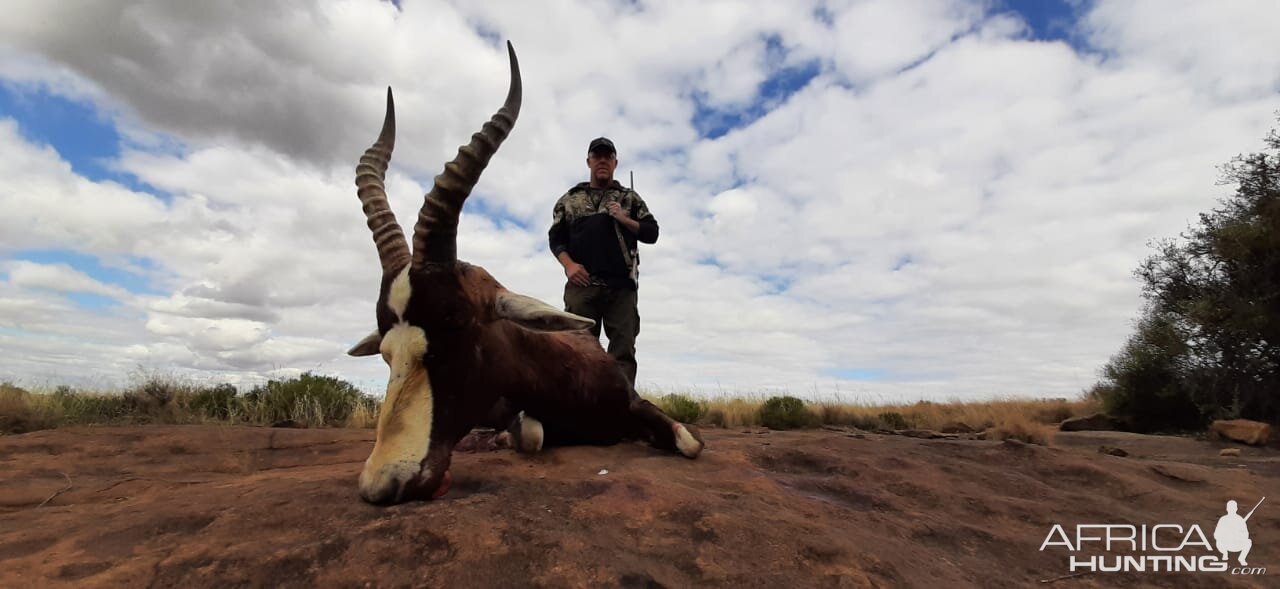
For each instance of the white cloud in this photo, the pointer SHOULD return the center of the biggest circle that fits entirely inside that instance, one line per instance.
(48, 206)
(58, 278)
(1227, 48)
(964, 226)
(879, 37)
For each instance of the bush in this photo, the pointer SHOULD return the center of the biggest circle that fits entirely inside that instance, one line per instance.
(1146, 384)
(216, 402)
(18, 415)
(308, 399)
(866, 422)
(10, 390)
(88, 408)
(152, 400)
(1205, 346)
(159, 393)
(681, 408)
(893, 420)
(786, 413)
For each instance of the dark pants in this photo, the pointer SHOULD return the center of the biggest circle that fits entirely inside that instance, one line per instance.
(616, 309)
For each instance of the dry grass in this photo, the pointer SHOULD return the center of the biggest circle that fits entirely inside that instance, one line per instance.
(21, 412)
(977, 416)
(307, 401)
(364, 416)
(312, 401)
(1024, 431)
(1010, 414)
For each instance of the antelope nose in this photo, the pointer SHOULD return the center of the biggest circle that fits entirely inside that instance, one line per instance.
(387, 486)
(380, 490)
(383, 485)
(377, 495)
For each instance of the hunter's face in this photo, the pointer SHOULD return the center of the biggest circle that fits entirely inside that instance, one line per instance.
(602, 164)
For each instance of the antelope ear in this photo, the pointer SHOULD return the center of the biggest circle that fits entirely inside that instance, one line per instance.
(531, 313)
(370, 345)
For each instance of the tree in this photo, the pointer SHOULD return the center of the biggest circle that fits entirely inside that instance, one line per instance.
(1208, 343)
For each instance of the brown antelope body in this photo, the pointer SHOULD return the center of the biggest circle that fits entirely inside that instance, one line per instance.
(465, 351)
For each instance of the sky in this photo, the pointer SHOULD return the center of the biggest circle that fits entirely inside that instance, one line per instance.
(880, 201)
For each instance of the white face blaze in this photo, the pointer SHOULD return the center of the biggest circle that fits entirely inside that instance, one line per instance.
(398, 295)
(404, 426)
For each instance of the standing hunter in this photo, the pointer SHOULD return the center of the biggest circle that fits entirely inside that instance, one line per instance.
(594, 230)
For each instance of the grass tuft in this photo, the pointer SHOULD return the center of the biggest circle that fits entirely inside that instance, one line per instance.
(1022, 430)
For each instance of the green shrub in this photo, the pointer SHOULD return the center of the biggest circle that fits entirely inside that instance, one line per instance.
(103, 408)
(308, 399)
(681, 408)
(91, 408)
(158, 392)
(1205, 345)
(153, 400)
(1145, 384)
(786, 413)
(216, 402)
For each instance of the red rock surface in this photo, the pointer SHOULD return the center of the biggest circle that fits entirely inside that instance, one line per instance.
(215, 506)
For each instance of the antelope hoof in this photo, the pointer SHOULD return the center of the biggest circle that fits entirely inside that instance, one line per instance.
(688, 442)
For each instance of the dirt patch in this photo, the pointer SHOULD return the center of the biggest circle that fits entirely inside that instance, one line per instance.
(216, 506)
(19, 548)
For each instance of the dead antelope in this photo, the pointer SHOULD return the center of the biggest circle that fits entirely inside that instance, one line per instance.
(457, 342)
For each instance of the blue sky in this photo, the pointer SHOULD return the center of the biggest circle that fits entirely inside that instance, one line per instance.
(87, 139)
(83, 135)
(1048, 20)
(891, 213)
(1052, 20)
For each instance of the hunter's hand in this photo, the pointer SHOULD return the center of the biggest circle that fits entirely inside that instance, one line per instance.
(615, 211)
(577, 274)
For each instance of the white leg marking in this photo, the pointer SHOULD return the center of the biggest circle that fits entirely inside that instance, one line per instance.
(531, 434)
(685, 442)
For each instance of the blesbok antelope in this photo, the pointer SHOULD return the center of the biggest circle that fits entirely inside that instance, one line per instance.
(457, 341)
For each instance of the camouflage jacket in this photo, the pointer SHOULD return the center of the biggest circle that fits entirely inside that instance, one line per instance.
(581, 225)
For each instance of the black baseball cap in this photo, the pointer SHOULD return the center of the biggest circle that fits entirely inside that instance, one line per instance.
(601, 144)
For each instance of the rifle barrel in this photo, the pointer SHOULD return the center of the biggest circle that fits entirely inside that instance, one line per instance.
(1255, 508)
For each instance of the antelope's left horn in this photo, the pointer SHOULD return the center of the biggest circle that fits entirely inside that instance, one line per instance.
(393, 252)
(435, 237)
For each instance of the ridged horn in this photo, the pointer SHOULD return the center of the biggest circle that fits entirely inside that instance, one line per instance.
(435, 237)
(393, 251)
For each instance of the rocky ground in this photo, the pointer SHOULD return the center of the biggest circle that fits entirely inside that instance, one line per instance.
(219, 506)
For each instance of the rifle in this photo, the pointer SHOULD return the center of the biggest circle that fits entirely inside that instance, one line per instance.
(1255, 508)
(632, 267)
